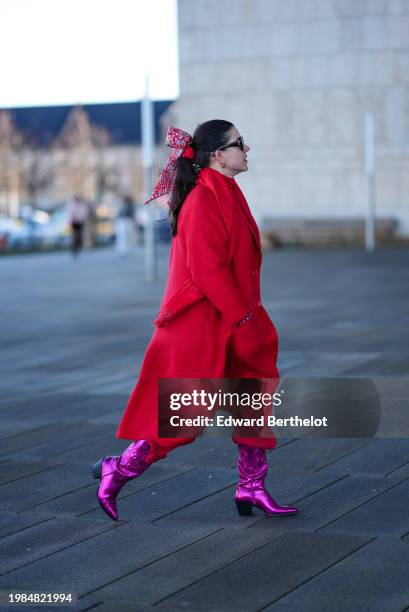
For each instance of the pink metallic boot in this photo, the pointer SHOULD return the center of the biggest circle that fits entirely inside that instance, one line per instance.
(114, 472)
(252, 467)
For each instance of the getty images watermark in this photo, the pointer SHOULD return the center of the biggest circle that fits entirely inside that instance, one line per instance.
(253, 407)
(222, 400)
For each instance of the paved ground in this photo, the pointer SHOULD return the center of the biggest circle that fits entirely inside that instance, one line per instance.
(72, 337)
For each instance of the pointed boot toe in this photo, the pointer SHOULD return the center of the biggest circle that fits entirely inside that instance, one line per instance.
(109, 507)
(280, 510)
(110, 485)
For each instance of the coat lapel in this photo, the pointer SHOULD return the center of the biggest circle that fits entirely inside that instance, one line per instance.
(246, 209)
(221, 187)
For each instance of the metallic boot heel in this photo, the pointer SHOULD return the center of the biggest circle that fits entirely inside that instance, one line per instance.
(97, 469)
(115, 472)
(244, 508)
(252, 467)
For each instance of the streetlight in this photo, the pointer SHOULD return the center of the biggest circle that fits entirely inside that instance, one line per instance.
(147, 161)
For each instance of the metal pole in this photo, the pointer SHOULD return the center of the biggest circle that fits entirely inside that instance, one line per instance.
(370, 173)
(147, 160)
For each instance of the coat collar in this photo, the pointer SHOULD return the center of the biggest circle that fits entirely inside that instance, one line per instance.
(215, 180)
(218, 182)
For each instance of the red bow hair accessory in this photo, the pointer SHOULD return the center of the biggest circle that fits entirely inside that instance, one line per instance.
(189, 152)
(180, 142)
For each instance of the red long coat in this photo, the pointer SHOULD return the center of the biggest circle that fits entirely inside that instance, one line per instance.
(214, 281)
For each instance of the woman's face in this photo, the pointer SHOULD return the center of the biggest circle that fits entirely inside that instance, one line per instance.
(232, 160)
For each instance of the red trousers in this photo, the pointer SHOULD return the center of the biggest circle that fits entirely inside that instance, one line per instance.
(160, 447)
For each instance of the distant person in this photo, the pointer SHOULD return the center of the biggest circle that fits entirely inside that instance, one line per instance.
(125, 226)
(77, 217)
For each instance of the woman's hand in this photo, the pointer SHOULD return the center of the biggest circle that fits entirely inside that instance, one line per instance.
(255, 334)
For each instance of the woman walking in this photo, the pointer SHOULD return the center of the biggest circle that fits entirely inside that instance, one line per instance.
(211, 323)
(77, 218)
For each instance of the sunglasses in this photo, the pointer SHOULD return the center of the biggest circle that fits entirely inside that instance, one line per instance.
(237, 143)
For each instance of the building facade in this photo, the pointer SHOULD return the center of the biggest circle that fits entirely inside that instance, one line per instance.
(297, 78)
(50, 154)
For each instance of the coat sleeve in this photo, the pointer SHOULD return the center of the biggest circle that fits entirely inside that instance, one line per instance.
(207, 243)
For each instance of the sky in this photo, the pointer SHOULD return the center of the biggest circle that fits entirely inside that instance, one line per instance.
(86, 51)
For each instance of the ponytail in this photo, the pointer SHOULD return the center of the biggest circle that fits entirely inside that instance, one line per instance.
(186, 173)
(207, 137)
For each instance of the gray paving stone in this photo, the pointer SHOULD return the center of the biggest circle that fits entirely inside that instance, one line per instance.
(217, 510)
(23, 439)
(332, 501)
(108, 418)
(380, 457)
(10, 522)
(185, 455)
(14, 470)
(38, 488)
(373, 578)
(272, 570)
(394, 418)
(42, 404)
(400, 473)
(42, 540)
(393, 388)
(220, 509)
(378, 367)
(51, 409)
(310, 454)
(81, 501)
(120, 605)
(53, 441)
(104, 558)
(387, 515)
(73, 363)
(89, 454)
(174, 493)
(186, 566)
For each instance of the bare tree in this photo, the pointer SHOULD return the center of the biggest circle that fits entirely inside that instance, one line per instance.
(37, 178)
(87, 172)
(11, 142)
(105, 177)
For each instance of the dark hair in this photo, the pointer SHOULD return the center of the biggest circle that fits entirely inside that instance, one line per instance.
(207, 137)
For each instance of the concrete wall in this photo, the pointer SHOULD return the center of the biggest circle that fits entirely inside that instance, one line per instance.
(297, 77)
